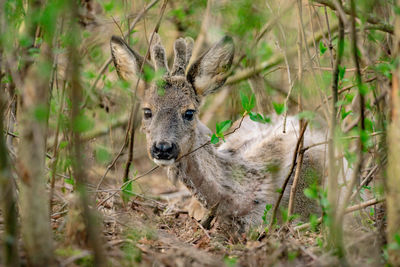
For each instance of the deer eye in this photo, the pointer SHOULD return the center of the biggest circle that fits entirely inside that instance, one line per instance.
(147, 113)
(189, 114)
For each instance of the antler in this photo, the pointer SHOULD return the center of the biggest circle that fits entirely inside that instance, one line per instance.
(183, 52)
(158, 54)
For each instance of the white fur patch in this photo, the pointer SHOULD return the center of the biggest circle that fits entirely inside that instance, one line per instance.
(164, 163)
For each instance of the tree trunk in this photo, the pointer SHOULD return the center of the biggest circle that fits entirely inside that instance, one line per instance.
(393, 178)
(8, 197)
(93, 230)
(35, 221)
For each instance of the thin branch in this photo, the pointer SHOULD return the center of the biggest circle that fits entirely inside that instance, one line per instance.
(344, 89)
(274, 61)
(350, 209)
(286, 181)
(366, 180)
(109, 60)
(380, 25)
(135, 106)
(296, 177)
(360, 149)
(335, 228)
(55, 147)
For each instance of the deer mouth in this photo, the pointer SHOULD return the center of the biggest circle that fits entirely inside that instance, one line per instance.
(164, 162)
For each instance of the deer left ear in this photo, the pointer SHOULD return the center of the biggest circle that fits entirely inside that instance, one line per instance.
(208, 73)
(127, 62)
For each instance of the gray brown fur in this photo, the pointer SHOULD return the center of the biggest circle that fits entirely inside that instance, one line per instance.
(243, 174)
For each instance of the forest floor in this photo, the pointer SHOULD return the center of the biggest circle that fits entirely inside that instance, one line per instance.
(155, 229)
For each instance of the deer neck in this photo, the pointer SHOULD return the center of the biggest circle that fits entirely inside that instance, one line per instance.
(212, 176)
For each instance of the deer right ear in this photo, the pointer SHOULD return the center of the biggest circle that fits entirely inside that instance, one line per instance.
(208, 73)
(127, 62)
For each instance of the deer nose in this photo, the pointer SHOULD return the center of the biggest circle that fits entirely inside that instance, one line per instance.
(164, 150)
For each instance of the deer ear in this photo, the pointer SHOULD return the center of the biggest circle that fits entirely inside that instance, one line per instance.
(127, 62)
(208, 73)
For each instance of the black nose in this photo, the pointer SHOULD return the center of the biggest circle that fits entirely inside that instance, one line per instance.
(164, 150)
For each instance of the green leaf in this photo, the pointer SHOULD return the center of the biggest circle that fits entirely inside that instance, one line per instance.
(230, 261)
(311, 193)
(108, 6)
(397, 10)
(247, 103)
(244, 99)
(82, 124)
(279, 107)
(363, 89)
(320, 242)
(70, 181)
(148, 74)
(268, 207)
(345, 113)
(63, 144)
(307, 115)
(102, 155)
(342, 72)
(322, 47)
(41, 113)
(257, 117)
(214, 139)
(313, 222)
(252, 102)
(385, 68)
(127, 191)
(223, 126)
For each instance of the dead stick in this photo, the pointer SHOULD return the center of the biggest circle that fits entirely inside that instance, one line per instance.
(295, 153)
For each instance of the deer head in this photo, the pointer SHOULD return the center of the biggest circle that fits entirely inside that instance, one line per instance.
(170, 105)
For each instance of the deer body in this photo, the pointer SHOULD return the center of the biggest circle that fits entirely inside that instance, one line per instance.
(240, 176)
(244, 174)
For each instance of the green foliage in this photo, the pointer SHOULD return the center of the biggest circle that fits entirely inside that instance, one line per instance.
(248, 103)
(132, 253)
(342, 72)
(292, 255)
(230, 261)
(306, 115)
(268, 207)
(82, 124)
(279, 107)
(247, 17)
(127, 190)
(265, 51)
(385, 68)
(41, 113)
(285, 215)
(102, 154)
(322, 47)
(220, 128)
(392, 246)
(314, 222)
(69, 252)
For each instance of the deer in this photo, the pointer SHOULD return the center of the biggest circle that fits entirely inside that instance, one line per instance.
(237, 178)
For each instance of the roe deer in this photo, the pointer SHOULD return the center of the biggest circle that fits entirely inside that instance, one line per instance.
(242, 175)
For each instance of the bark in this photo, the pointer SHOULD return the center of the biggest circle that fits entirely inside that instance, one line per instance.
(8, 194)
(393, 181)
(35, 221)
(335, 234)
(75, 92)
(9, 201)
